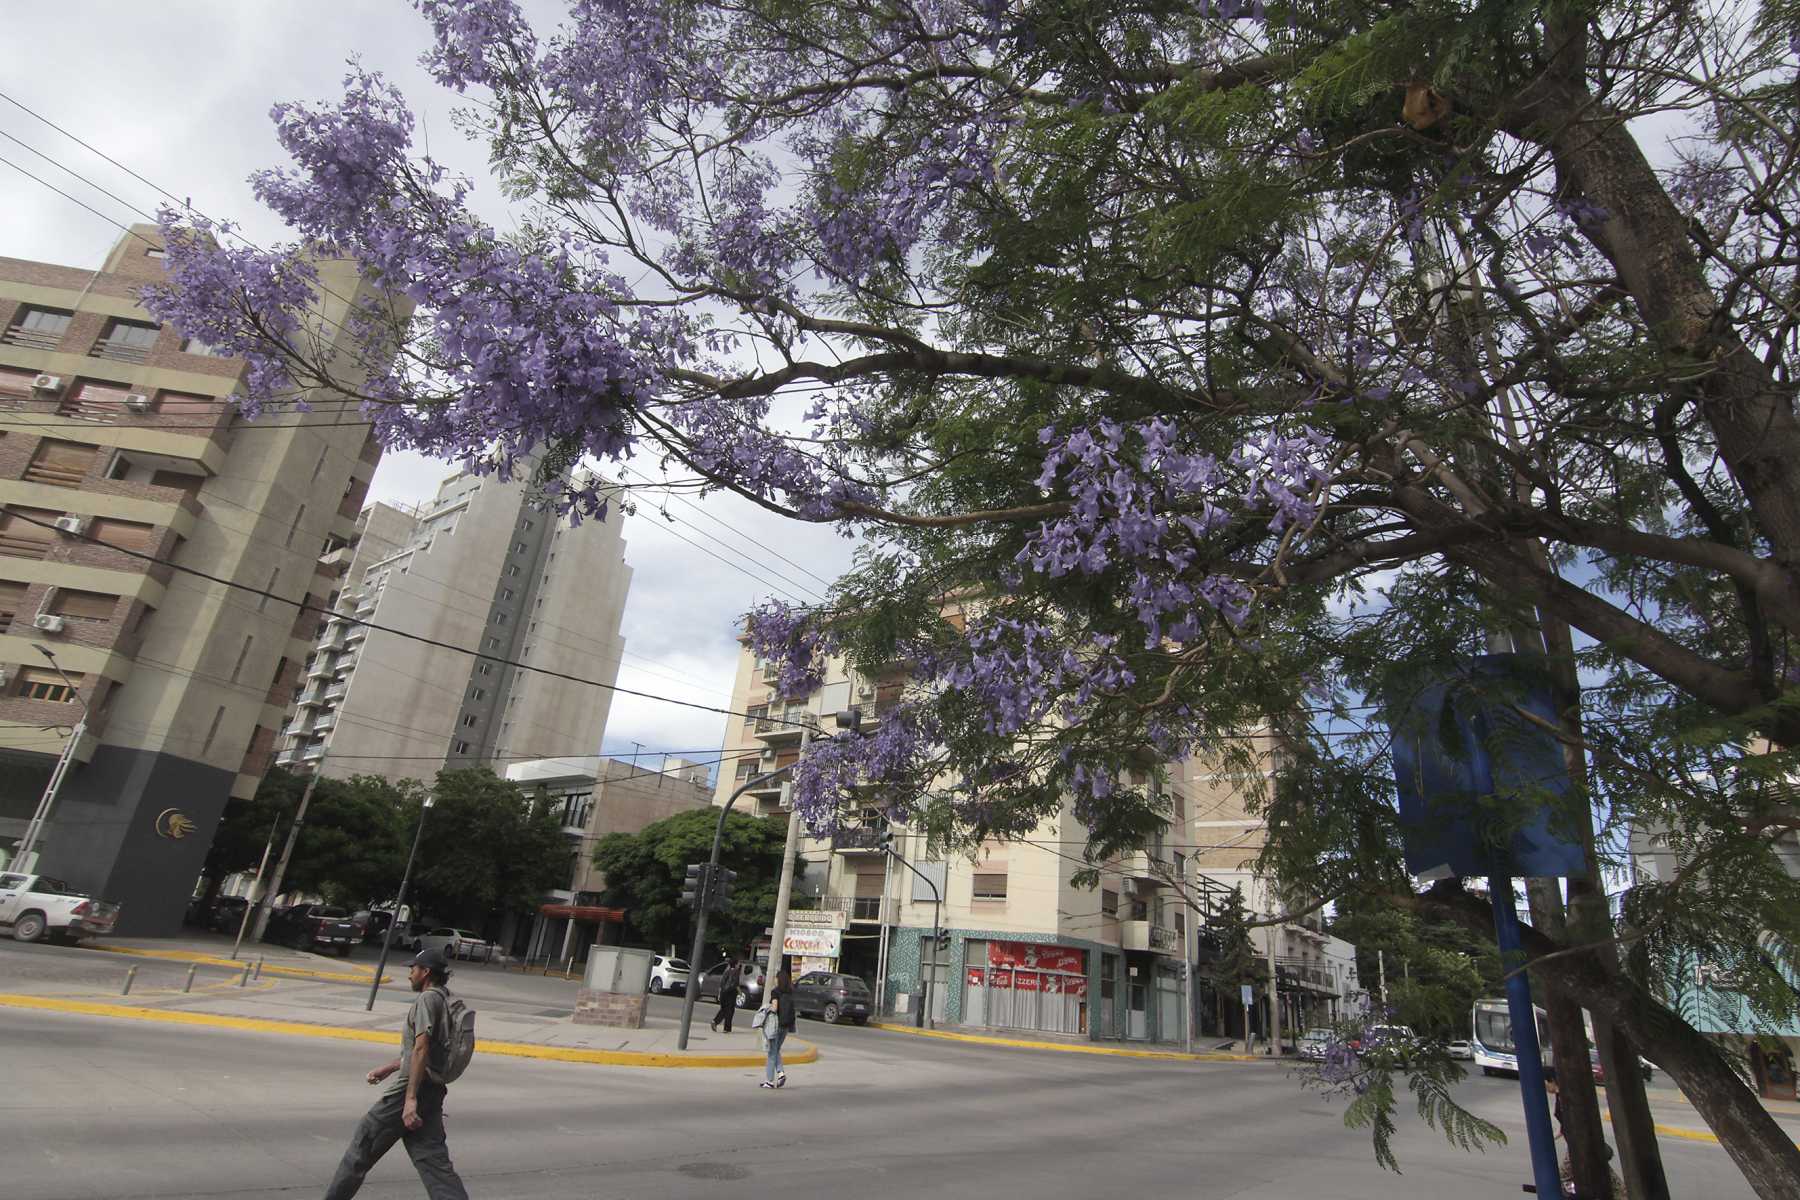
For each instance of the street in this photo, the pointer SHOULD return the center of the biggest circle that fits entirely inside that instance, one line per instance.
(101, 1108)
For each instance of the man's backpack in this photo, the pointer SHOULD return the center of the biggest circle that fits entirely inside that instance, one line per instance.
(459, 1043)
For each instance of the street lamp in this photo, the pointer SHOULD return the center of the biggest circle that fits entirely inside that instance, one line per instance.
(22, 859)
(387, 939)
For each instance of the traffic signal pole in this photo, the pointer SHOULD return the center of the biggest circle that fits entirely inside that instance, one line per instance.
(700, 902)
(937, 924)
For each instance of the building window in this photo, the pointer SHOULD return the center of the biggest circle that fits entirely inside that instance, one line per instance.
(990, 885)
(243, 653)
(126, 341)
(484, 668)
(526, 524)
(262, 601)
(470, 721)
(1109, 902)
(212, 730)
(294, 528)
(477, 693)
(493, 643)
(520, 548)
(528, 651)
(499, 618)
(506, 593)
(35, 683)
(60, 463)
(156, 252)
(39, 328)
(512, 570)
(75, 605)
(461, 747)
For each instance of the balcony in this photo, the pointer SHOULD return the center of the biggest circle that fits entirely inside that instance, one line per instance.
(862, 910)
(1148, 936)
(862, 840)
(1144, 865)
(34, 339)
(783, 727)
(122, 349)
(335, 694)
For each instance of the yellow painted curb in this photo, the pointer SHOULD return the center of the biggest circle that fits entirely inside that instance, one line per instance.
(1066, 1048)
(572, 1054)
(1692, 1135)
(238, 964)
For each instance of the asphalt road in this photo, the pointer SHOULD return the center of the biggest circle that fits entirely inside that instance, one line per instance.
(96, 1108)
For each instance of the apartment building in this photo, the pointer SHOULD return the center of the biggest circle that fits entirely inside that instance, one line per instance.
(484, 565)
(593, 797)
(1026, 948)
(153, 546)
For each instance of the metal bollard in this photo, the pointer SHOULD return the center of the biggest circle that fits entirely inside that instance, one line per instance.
(259, 962)
(129, 976)
(189, 985)
(245, 977)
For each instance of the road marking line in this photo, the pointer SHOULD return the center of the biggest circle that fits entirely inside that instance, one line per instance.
(1022, 1043)
(1692, 1135)
(571, 1054)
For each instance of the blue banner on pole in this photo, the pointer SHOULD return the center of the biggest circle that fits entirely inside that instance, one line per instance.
(1479, 780)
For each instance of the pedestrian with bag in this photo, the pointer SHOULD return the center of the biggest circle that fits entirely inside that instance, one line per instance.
(776, 1021)
(728, 993)
(435, 1045)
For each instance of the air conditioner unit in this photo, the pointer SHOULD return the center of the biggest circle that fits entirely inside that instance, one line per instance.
(72, 523)
(48, 622)
(1128, 887)
(866, 692)
(47, 383)
(138, 402)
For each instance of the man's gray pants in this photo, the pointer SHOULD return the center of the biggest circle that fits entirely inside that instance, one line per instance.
(376, 1134)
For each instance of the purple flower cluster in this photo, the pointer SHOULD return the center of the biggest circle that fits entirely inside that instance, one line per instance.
(893, 764)
(1143, 501)
(794, 640)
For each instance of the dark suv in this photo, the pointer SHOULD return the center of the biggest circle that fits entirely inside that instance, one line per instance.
(833, 998)
(314, 926)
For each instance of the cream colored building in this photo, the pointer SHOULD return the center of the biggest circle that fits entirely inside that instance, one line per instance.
(1027, 948)
(486, 565)
(180, 540)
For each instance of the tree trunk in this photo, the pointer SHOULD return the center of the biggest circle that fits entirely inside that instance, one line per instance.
(1568, 1042)
(1763, 1151)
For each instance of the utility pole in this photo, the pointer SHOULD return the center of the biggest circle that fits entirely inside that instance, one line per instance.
(881, 950)
(777, 956)
(24, 859)
(1274, 1000)
(256, 892)
(287, 853)
(1381, 966)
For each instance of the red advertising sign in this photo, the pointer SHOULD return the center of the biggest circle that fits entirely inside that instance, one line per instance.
(1026, 981)
(1076, 986)
(1054, 984)
(1038, 958)
(975, 976)
(1002, 979)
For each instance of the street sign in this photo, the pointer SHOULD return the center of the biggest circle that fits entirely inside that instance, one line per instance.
(1244, 991)
(828, 918)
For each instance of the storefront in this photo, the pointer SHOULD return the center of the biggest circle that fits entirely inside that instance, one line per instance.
(1023, 985)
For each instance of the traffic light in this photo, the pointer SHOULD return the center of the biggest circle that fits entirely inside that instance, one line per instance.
(693, 888)
(943, 940)
(724, 881)
(885, 840)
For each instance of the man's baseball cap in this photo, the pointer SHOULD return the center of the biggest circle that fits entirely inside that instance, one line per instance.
(432, 959)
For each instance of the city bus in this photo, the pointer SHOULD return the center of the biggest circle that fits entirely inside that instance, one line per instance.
(1492, 1041)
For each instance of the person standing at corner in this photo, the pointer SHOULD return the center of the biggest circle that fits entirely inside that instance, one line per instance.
(728, 993)
(781, 1016)
(411, 1110)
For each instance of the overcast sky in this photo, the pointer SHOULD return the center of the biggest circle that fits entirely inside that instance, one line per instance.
(179, 93)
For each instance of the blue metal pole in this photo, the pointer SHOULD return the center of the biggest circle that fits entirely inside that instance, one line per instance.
(1538, 1134)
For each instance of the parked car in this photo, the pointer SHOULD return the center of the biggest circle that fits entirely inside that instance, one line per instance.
(39, 907)
(314, 927)
(833, 998)
(1396, 1040)
(456, 943)
(1312, 1043)
(669, 975)
(373, 922)
(226, 914)
(750, 984)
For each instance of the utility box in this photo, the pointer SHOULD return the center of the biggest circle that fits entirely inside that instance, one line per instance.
(613, 990)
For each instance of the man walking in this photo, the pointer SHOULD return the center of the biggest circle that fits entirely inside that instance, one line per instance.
(411, 1110)
(728, 993)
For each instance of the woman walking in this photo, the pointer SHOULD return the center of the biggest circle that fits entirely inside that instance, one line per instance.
(776, 1027)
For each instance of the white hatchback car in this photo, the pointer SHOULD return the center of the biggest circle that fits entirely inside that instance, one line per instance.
(457, 943)
(668, 975)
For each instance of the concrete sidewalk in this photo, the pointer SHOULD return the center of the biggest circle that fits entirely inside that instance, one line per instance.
(299, 1008)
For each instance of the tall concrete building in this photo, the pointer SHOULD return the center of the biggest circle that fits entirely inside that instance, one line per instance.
(1027, 949)
(485, 565)
(122, 460)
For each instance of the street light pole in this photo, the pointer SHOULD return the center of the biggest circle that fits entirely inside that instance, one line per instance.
(937, 924)
(22, 858)
(783, 895)
(287, 851)
(256, 892)
(387, 939)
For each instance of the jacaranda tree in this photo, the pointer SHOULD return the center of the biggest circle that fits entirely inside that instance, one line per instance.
(1228, 362)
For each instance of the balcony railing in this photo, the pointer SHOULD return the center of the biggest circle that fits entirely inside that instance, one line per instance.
(859, 908)
(859, 840)
(121, 351)
(35, 339)
(1148, 935)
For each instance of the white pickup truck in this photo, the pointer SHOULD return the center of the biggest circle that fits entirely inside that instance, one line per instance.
(37, 906)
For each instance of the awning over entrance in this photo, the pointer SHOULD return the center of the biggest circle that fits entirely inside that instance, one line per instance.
(582, 912)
